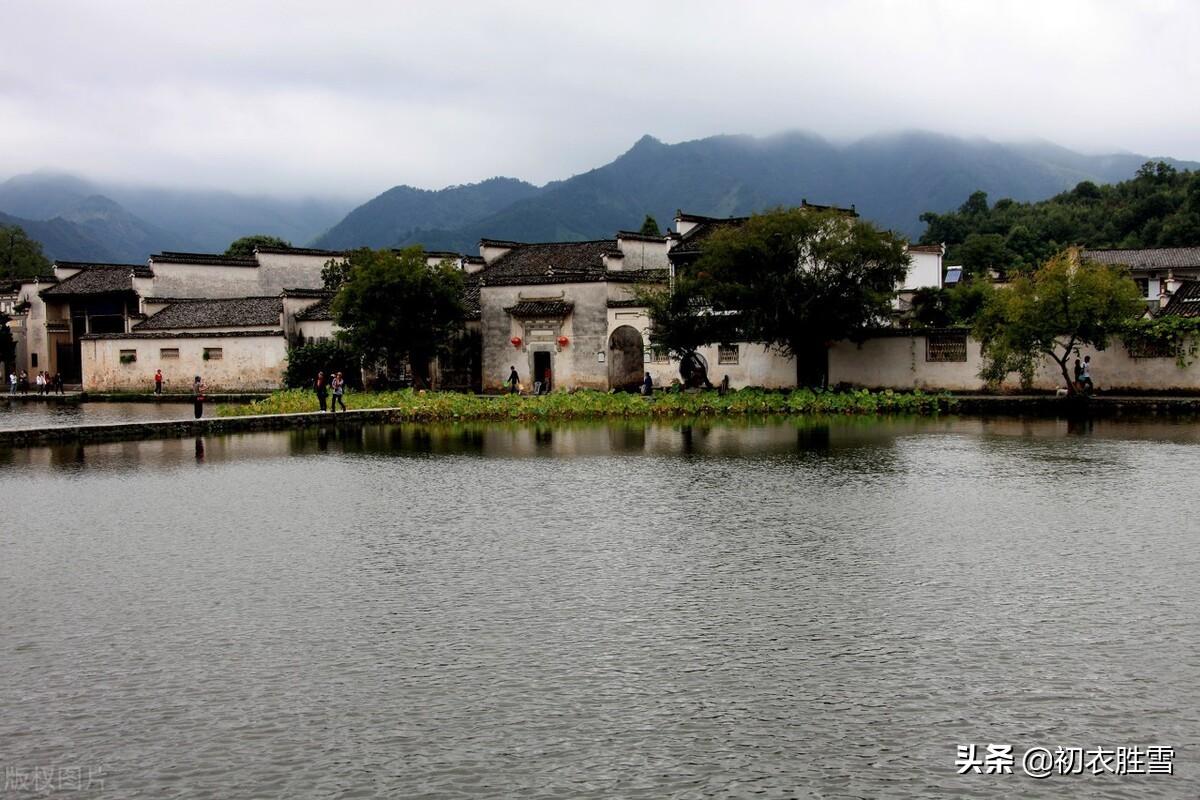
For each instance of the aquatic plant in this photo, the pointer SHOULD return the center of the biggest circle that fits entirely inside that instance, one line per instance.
(434, 406)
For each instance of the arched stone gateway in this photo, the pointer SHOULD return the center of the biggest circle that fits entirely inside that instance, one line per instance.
(625, 358)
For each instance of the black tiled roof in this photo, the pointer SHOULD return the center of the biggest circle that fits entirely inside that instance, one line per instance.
(97, 279)
(319, 311)
(1148, 258)
(552, 262)
(303, 292)
(631, 302)
(639, 275)
(298, 251)
(236, 312)
(692, 242)
(184, 335)
(471, 303)
(207, 259)
(540, 308)
(1184, 303)
(141, 270)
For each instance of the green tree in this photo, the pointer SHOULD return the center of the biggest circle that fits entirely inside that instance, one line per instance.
(795, 279)
(650, 227)
(305, 361)
(981, 252)
(244, 247)
(394, 309)
(335, 272)
(1157, 207)
(1065, 304)
(20, 256)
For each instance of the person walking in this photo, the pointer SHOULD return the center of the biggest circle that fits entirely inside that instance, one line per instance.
(24, 382)
(321, 387)
(514, 381)
(648, 386)
(12, 383)
(339, 388)
(1085, 375)
(58, 383)
(40, 381)
(158, 381)
(198, 397)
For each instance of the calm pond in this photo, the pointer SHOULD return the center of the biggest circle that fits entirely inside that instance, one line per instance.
(45, 414)
(775, 609)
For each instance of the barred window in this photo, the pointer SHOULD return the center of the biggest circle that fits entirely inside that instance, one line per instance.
(946, 347)
(213, 353)
(1143, 285)
(727, 354)
(128, 356)
(168, 352)
(656, 355)
(1144, 349)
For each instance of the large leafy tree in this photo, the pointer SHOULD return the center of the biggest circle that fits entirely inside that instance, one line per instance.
(393, 308)
(1065, 304)
(796, 279)
(20, 256)
(244, 247)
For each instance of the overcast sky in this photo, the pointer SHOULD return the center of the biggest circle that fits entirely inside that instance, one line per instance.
(350, 98)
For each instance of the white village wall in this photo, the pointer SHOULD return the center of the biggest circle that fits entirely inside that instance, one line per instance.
(898, 362)
(204, 280)
(248, 363)
(279, 271)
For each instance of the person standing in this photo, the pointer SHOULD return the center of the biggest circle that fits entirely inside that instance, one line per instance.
(1085, 374)
(648, 386)
(546, 381)
(514, 381)
(40, 380)
(321, 387)
(158, 381)
(12, 383)
(198, 397)
(58, 383)
(339, 388)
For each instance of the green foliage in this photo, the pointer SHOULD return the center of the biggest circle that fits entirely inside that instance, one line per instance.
(1159, 207)
(393, 308)
(20, 256)
(1065, 304)
(306, 361)
(650, 227)
(1178, 336)
(795, 279)
(408, 405)
(335, 272)
(944, 308)
(129, 358)
(244, 247)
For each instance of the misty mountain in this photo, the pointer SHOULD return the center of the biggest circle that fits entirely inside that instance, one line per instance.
(891, 179)
(398, 213)
(67, 213)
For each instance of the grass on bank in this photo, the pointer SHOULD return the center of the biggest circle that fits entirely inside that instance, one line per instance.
(435, 406)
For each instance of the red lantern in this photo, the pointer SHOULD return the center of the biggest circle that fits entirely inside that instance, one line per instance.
(563, 341)
(516, 341)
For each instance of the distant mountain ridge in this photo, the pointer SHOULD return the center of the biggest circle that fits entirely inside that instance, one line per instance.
(75, 218)
(891, 179)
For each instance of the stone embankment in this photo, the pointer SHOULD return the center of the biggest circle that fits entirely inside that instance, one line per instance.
(1043, 406)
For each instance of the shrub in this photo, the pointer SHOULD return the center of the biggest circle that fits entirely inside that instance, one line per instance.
(329, 357)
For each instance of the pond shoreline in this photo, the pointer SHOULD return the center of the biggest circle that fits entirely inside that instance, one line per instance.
(1033, 406)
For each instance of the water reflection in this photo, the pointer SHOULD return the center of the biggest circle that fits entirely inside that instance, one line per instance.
(697, 608)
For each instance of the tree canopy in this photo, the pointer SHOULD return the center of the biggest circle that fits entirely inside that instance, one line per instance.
(795, 279)
(1158, 207)
(244, 247)
(394, 309)
(650, 227)
(1066, 303)
(20, 256)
